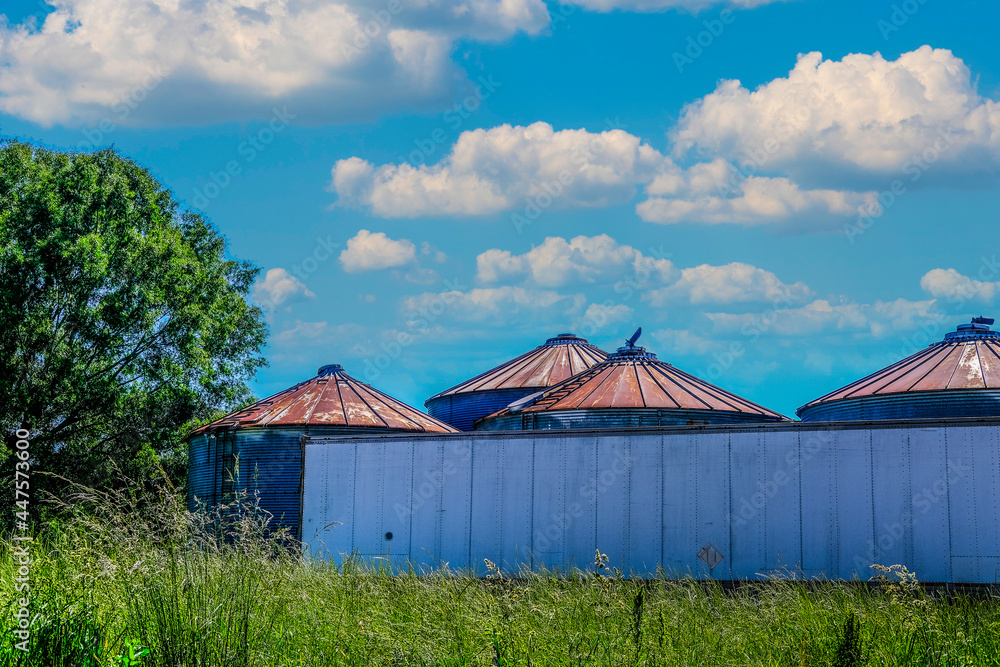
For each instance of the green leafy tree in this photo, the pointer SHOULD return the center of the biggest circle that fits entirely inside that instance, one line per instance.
(122, 321)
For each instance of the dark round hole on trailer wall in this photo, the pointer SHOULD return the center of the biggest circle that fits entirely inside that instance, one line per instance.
(388, 536)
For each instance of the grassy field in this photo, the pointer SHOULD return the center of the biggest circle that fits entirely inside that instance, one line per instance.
(139, 581)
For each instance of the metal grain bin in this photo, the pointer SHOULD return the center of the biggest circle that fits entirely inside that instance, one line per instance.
(557, 359)
(956, 377)
(631, 388)
(256, 450)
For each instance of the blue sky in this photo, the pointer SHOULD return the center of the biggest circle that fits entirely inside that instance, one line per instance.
(473, 177)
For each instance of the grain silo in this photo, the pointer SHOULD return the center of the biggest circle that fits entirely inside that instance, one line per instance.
(956, 377)
(630, 388)
(558, 359)
(257, 449)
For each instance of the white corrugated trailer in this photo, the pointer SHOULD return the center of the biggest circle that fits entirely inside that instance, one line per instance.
(820, 500)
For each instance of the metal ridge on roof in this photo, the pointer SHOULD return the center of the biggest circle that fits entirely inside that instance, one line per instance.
(558, 359)
(634, 378)
(630, 352)
(967, 359)
(567, 339)
(331, 398)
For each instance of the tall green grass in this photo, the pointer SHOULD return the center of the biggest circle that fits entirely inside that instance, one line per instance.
(137, 580)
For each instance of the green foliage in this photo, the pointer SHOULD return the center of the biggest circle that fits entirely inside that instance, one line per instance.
(122, 321)
(133, 655)
(129, 579)
(849, 652)
(70, 636)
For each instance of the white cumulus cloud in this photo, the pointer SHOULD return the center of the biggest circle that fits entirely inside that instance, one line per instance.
(368, 251)
(804, 151)
(949, 283)
(504, 305)
(603, 260)
(583, 259)
(279, 287)
(177, 62)
(863, 113)
(530, 169)
(730, 283)
(684, 342)
(821, 317)
(601, 315)
(298, 335)
(494, 170)
(714, 192)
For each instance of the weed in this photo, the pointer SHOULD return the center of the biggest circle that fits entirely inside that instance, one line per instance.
(849, 650)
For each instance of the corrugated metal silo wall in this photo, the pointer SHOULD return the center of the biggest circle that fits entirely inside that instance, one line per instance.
(462, 410)
(815, 499)
(270, 468)
(911, 405)
(201, 471)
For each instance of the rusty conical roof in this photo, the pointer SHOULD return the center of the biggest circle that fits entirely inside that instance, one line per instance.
(634, 378)
(558, 359)
(331, 398)
(967, 359)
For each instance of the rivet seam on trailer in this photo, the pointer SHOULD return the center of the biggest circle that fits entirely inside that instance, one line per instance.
(871, 483)
(947, 495)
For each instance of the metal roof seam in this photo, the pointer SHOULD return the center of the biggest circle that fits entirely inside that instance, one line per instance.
(595, 374)
(979, 360)
(879, 373)
(319, 398)
(557, 392)
(944, 377)
(710, 388)
(390, 402)
(558, 354)
(756, 407)
(472, 382)
(529, 368)
(340, 398)
(607, 386)
(269, 413)
(944, 357)
(313, 403)
(577, 362)
(685, 389)
(912, 361)
(664, 389)
(596, 354)
(989, 346)
(964, 346)
(389, 405)
(638, 382)
(553, 351)
(476, 383)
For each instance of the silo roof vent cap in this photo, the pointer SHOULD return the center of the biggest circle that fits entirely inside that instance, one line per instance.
(329, 369)
(567, 339)
(629, 352)
(978, 329)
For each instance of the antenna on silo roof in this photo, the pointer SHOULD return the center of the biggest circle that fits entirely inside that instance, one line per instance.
(631, 341)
